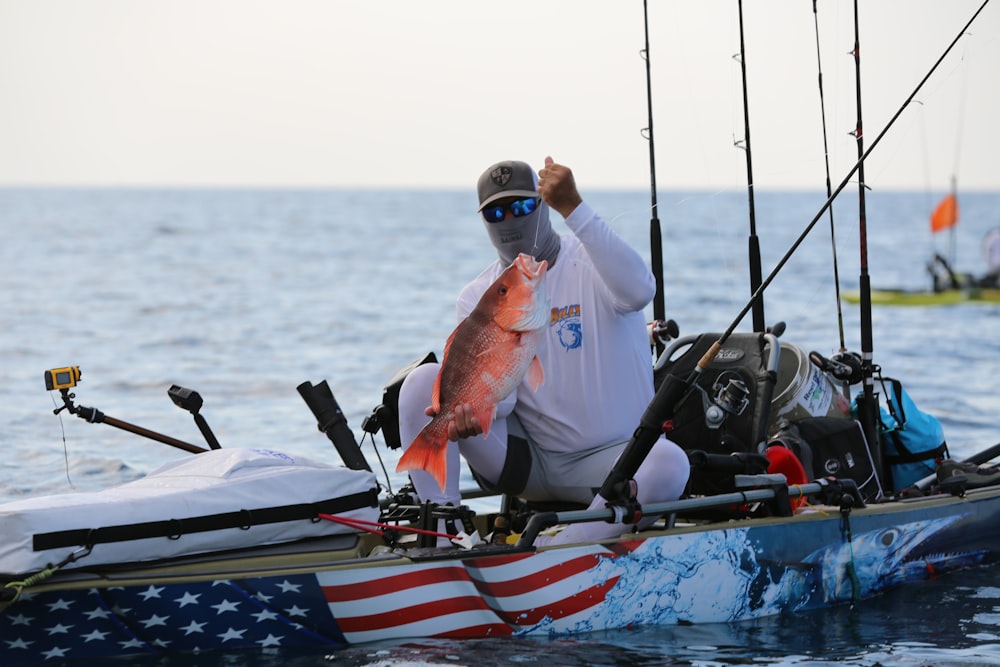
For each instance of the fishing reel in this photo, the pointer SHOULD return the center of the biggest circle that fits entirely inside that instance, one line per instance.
(662, 331)
(844, 366)
(728, 397)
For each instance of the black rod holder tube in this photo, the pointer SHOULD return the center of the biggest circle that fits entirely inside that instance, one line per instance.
(331, 421)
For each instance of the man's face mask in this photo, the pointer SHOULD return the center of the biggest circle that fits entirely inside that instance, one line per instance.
(526, 229)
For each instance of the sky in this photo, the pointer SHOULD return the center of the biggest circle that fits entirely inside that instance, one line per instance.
(397, 93)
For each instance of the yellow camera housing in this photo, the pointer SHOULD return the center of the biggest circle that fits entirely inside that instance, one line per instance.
(62, 378)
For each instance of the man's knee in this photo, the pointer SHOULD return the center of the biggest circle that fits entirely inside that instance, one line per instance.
(664, 473)
(414, 398)
(415, 392)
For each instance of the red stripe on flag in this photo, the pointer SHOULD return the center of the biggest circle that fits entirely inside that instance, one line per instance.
(393, 584)
(411, 614)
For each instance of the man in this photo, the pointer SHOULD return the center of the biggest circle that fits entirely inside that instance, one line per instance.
(559, 442)
(991, 252)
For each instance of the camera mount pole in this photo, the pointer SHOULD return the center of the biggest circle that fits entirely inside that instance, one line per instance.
(95, 416)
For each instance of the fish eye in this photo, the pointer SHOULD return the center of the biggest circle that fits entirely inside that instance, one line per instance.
(889, 536)
(502, 290)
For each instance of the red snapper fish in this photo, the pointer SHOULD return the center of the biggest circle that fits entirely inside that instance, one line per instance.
(487, 355)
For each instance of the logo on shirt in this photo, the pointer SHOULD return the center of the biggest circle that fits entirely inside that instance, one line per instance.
(569, 327)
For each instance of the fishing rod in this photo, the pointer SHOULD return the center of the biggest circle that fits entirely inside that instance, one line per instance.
(753, 241)
(867, 401)
(618, 487)
(829, 189)
(655, 237)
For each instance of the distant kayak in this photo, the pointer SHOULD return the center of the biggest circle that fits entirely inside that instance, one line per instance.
(902, 297)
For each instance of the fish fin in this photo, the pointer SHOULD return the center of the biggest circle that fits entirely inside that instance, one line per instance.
(535, 374)
(501, 348)
(486, 418)
(436, 393)
(508, 319)
(425, 453)
(447, 344)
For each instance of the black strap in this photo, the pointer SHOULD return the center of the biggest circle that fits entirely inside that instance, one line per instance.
(174, 528)
(516, 469)
(897, 394)
(906, 456)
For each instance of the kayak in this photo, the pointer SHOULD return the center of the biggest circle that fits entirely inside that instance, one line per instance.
(902, 297)
(356, 587)
(249, 549)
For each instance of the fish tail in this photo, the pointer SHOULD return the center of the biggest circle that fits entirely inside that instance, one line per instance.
(426, 453)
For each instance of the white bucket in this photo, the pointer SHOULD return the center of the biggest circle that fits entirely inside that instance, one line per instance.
(802, 390)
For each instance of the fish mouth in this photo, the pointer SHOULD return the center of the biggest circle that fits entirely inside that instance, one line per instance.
(530, 268)
(535, 314)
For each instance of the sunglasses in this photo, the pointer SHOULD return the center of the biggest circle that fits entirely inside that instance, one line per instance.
(519, 209)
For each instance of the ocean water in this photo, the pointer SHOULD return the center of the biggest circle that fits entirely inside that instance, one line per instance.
(241, 295)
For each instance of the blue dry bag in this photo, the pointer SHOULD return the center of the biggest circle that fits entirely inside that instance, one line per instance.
(912, 439)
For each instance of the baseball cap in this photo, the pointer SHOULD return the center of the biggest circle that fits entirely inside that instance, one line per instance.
(509, 178)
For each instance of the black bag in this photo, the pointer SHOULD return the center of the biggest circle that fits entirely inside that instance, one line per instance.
(744, 358)
(834, 447)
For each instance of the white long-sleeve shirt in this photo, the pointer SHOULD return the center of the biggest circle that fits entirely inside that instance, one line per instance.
(595, 354)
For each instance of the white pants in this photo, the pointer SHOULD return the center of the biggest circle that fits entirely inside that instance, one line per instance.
(661, 477)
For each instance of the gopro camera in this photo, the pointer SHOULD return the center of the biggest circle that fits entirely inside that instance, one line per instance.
(62, 378)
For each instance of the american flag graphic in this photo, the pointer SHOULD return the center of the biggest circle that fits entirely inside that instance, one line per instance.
(160, 619)
(474, 597)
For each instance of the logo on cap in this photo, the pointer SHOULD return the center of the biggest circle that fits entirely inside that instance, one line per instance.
(501, 175)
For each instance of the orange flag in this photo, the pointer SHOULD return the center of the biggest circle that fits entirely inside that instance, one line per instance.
(945, 215)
